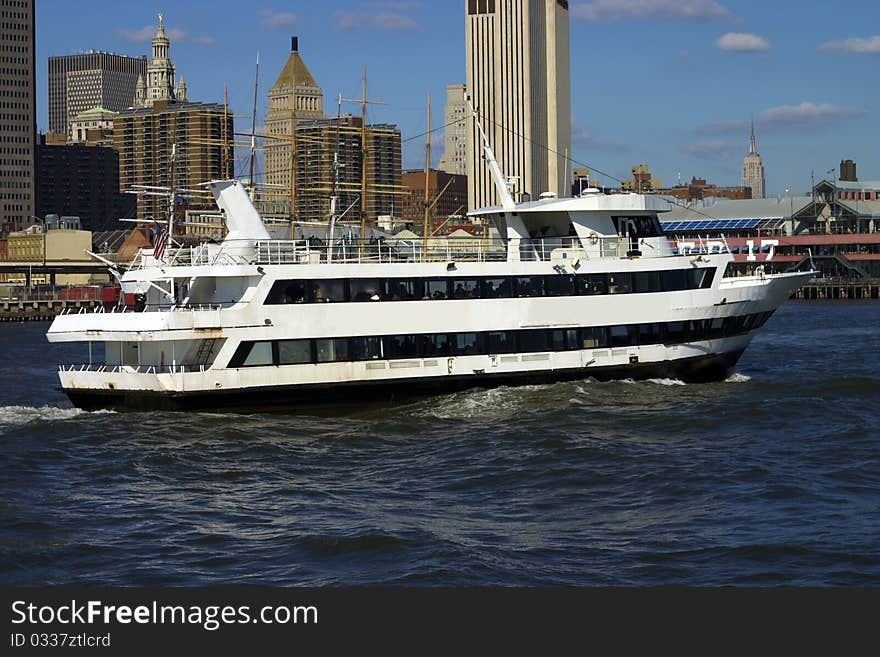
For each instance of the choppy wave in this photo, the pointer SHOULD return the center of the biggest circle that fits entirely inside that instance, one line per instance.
(736, 377)
(19, 415)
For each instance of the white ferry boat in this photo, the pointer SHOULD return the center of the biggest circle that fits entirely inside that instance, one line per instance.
(572, 288)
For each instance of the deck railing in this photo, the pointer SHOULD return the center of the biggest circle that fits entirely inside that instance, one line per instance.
(351, 251)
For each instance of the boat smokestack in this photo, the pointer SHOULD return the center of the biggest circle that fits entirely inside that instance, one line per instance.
(294, 44)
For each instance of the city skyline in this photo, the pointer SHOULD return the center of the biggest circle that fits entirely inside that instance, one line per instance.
(681, 101)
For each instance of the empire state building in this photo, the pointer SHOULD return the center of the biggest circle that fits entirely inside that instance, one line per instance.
(753, 169)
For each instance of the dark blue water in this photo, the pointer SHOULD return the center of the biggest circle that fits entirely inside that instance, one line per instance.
(770, 478)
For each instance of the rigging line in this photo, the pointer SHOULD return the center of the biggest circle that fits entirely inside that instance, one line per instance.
(550, 150)
(442, 127)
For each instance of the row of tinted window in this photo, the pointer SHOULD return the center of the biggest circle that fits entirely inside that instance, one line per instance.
(502, 287)
(392, 347)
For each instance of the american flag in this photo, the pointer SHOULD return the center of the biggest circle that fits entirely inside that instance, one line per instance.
(159, 243)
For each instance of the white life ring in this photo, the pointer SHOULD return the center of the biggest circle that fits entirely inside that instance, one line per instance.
(594, 238)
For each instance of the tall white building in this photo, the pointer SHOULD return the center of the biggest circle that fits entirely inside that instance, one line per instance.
(518, 77)
(454, 158)
(753, 169)
(159, 84)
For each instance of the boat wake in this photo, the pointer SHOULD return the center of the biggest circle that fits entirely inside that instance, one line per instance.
(736, 377)
(20, 415)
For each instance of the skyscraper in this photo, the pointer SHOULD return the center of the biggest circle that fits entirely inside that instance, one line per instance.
(78, 83)
(199, 135)
(518, 77)
(753, 169)
(18, 118)
(454, 158)
(159, 84)
(294, 82)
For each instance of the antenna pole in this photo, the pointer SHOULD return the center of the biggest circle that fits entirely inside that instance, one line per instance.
(427, 179)
(254, 126)
(507, 201)
(224, 152)
(363, 158)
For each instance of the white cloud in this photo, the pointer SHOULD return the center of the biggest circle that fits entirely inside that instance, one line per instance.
(682, 10)
(807, 115)
(388, 21)
(272, 21)
(713, 149)
(742, 42)
(580, 137)
(863, 46)
(398, 5)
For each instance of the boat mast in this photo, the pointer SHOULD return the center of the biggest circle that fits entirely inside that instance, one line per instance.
(427, 180)
(507, 201)
(336, 167)
(254, 128)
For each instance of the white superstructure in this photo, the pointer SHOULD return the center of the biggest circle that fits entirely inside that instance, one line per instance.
(567, 288)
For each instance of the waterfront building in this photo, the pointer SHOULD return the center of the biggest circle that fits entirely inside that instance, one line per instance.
(753, 169)
(199, 134)
(294, 97)
(319, 142)
(848, 171)
(642, 181)
(454, 159)
(159, 84)
(94, 127)
(698, 189)
(518, 77)
(87, 80)
(17, 111)
(452, 202)
(41, 243)
(81, 180)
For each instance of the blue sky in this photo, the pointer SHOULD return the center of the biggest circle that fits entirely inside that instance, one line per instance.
(669, 83)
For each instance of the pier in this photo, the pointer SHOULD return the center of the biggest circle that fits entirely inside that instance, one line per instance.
(41, 310)
(849, 290)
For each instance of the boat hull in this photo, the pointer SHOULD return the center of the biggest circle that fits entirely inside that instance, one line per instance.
(700, 369)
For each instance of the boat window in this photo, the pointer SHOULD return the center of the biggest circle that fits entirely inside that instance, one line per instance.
(716, 328)
(497, 288)
(619, 336)
(405, 289)
(294, 352)
(284, 292)
(260, 354)
(646, 281)
(650, 333)
(619, 283)
(698, 329)
(467, 344)
(500, 342)
(529, 286)
(702, 278)
(564, 340)
(560, 286)
(366, 289)
(672, 280)
(332, 350)
(434, 345)
(591, 284)
(400, 346)
(365, 348)
(531, 341)
(676, 332)
(594, 337)
(436, 288)
(465, 288)
(637, 227)
(327, 290)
